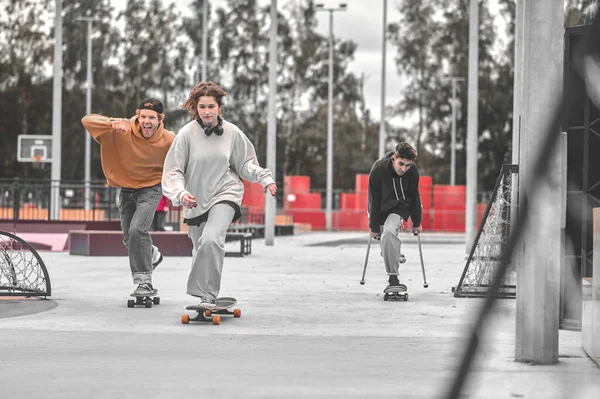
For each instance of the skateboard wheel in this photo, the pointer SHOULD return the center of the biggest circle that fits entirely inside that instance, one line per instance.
(156, 300)
(385, 297)
(237, 312)
(207, 313)
(148, 303)
(216, 320)
(185, 319)
(405, 297)
(130, 303)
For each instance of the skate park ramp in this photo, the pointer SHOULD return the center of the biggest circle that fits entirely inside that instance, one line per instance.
(22, 306)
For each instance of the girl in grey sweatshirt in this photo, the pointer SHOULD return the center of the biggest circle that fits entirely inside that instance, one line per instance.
(203, 171)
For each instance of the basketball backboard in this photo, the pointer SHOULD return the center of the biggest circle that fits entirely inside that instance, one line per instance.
(34, 148)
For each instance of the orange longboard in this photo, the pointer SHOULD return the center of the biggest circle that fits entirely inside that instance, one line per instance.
(222, 307)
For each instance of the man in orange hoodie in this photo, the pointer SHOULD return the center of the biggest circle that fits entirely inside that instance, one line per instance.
(133, 152)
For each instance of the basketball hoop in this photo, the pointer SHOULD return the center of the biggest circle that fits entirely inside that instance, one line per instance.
(36, 158)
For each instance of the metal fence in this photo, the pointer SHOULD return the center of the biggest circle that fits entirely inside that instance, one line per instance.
(30, 199)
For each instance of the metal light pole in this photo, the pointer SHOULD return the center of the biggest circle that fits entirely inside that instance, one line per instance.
(472, 126)
(204, 38)
(382, 134)
(57, 69)
(454, 80)
(88, 109)
(321, 7)
(271, 202)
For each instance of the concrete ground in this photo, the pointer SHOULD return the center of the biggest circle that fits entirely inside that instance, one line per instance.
(308, 330)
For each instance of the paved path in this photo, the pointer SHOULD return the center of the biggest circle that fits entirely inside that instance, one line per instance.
(308, 330)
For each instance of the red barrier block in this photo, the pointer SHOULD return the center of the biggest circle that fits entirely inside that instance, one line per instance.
(426, 197)
(347, 201)
(480, 211)
(426, 191)
(361, 183)
(254, 195)
(296, 184)
(346, 220)
(315, 218)
(304, 201)
(362, 200)
(449, 196)
(350, 220)
(448, 219)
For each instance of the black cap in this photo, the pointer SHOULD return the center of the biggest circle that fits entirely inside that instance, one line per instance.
(153, 104)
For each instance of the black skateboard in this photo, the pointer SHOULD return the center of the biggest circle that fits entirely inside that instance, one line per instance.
(145, 300)
(396, 293)
(222, 307)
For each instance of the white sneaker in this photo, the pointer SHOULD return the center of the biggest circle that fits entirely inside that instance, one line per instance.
(156, 257)
(207, 303)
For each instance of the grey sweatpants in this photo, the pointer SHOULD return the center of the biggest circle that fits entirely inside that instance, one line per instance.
(136, 209)
(391, 243)
(209, 252)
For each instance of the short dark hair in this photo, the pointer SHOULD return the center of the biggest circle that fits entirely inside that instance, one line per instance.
(406, 151)
(152, 104)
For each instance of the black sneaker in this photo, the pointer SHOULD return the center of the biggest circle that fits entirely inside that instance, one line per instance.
(156, 257)
(393, 281)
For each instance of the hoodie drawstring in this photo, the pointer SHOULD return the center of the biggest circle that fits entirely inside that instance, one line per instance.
(396, 190)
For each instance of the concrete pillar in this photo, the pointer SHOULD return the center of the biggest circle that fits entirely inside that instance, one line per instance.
(590, 321)
(539, 254)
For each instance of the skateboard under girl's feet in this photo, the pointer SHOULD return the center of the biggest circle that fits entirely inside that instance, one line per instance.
(204, 313)
(395, 293)
(146, 299)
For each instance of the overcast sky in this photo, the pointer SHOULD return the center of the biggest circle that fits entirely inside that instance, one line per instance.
(362, 23)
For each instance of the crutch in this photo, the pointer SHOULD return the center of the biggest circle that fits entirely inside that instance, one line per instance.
(421, 256)
(362, 281)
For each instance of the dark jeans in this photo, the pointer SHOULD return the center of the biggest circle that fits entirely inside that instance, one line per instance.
(136, 209)
(158, 224)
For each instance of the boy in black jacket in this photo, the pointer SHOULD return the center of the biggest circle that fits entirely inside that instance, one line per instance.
(393, 198)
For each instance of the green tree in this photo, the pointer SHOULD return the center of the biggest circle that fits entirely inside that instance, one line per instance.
(105, 43)
(304, 87)
(146, 53)
(426, 42)
(25, 52)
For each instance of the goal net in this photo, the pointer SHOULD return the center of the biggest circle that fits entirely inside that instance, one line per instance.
(491, 239)
(22, 271)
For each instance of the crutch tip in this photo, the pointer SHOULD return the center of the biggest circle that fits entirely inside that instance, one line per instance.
(425, 285)
(362, 283)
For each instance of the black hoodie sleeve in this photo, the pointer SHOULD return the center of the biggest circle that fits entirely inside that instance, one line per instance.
(416, 209)
(374, 201)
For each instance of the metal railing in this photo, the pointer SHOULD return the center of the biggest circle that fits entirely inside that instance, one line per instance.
(31, 199)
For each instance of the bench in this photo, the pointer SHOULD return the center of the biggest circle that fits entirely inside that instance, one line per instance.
(170, 243)
(245, 243)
